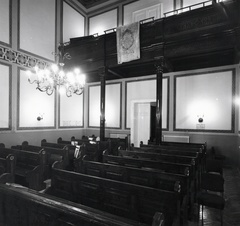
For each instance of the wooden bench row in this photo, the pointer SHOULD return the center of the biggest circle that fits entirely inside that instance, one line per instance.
(32, 164)
(22, 206)
(96, 190)
(28, 167)
(145, 177)
(135, 202)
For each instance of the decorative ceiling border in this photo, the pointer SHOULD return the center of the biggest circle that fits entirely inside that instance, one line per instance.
(14, 57)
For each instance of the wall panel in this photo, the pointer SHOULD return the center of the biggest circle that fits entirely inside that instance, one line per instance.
(5, 96)
(138, 6)
(37, 27)
(112, 106)
(71, 111)
(145, 90)
(104, 21)
(208, 96)
(5, 21)
(73, 23)
(32, 104)
(191, 2)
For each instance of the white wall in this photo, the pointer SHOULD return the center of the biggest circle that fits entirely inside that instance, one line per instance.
(100, 23)
(5, 21)
(73, 23)
(129, 9)
(37, 27)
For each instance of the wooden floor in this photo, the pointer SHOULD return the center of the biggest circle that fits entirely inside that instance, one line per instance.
(231, 214)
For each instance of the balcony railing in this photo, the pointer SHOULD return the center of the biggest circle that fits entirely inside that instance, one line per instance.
(192, 7)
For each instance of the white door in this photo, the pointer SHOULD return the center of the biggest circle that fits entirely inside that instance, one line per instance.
(140, 123)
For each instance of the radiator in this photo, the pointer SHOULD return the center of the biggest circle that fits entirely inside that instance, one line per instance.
(118, 135)
(171, 138)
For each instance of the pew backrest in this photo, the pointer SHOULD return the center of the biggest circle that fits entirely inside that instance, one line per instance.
(177, 168)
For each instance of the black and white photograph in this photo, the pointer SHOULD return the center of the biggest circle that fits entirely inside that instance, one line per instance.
(119, 112)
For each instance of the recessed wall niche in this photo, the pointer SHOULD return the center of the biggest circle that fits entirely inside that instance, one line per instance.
(36, 109)
(205, 101)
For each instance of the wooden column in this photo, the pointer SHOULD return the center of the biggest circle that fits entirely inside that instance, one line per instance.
(102, 74)
(159, 72)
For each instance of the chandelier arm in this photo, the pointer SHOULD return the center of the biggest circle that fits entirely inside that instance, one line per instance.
(34, 81)
(79, 91)
(42, 89)
(47, 89)
(69, 90)
(51, 91)
(68, 94)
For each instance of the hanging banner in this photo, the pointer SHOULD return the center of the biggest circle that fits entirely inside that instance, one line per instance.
(128, 42)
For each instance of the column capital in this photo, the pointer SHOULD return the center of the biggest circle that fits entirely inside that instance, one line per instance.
(102, 71)
(159, 64)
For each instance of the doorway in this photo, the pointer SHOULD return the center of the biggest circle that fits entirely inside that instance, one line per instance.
(153, 122)
(141, 121)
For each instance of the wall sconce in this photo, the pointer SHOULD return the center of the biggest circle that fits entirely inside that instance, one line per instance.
(40, 117)
(200, 118)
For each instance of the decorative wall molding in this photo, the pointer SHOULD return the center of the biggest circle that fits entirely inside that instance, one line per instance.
(15, 57)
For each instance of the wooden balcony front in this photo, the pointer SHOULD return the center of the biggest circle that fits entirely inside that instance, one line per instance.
(205, 37)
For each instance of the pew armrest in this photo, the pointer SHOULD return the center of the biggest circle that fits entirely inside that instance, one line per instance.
(58, 165)
(158, 219)
(6, 178)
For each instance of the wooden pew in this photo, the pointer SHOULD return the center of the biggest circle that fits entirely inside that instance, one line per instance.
(29, 167)
(117, 143)
(167, 167)
(66, 142)
(203, 146)
(84, 147)
(146, 177)
(194, 152)
(21, 206)
(200, 148)
(123, 199)
(158, 156)
(166, 150)
(176, 150)
(66, 153)
(7, 167)
(189, 160)
(92, 148)
(177, 168)
(52, 153)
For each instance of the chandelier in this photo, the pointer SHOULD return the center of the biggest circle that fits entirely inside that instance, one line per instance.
(53, 77)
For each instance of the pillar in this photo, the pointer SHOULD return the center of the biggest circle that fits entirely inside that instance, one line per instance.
(159, 72)
(102, 74)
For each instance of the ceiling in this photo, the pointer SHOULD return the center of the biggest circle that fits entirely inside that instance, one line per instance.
(90, 3)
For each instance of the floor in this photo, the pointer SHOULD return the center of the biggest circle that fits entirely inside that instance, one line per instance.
(231, 213)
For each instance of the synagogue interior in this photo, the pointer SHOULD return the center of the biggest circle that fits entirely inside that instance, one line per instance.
(119, 112)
